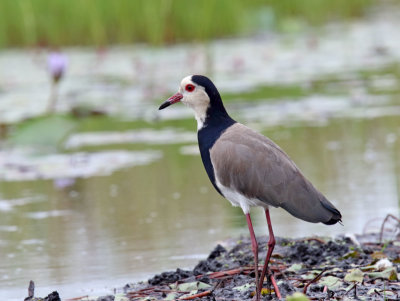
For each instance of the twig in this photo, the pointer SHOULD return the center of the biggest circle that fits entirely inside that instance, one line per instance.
(31, 289)
(143, 290)
(349, 290)
(218, 285)
(384, 222)
(376, 292)
(199, 295)
(220, 274)
(368, 223)
(316, 278)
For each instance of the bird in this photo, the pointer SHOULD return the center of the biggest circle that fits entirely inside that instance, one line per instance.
(249, 169)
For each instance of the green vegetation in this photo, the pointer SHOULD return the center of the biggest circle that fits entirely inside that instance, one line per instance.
(103, 22)
(333, 84)
(44, 131)
(268, 92)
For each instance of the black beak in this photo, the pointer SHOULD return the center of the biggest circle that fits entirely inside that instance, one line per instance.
(164, 105)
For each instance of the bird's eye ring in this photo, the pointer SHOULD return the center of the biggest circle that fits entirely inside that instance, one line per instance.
(189, 88)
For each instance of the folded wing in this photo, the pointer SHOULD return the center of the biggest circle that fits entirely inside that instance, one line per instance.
(256, 167)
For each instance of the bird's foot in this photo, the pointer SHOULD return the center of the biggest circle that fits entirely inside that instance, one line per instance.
(271, 280)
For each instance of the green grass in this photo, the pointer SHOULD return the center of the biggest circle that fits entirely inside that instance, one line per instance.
(104, 22)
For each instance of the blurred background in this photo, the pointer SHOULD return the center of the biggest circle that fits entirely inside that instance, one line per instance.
(98, 188)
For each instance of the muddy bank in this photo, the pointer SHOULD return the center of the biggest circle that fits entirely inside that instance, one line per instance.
(355, 267)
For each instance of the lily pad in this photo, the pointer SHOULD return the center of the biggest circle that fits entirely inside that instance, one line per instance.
(43, 132)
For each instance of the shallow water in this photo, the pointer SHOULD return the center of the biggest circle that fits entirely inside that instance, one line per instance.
(164, 215)
(87, 205)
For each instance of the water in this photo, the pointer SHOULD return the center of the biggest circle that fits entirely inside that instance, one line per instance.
(90, 204)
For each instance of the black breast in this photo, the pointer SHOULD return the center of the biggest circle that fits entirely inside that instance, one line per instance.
(207, 136)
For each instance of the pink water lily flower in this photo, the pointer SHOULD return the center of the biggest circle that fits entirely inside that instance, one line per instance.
(57, 64)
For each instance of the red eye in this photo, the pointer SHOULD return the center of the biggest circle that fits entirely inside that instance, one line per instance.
(189, 88)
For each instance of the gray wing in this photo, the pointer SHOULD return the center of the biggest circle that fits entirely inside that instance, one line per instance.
(267, 174)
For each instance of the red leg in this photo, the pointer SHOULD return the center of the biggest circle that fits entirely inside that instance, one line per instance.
(276, 288)
(271, 245)
(254, 246)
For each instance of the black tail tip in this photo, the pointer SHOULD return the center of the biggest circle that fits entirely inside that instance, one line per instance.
(334, 220)
(337, 216)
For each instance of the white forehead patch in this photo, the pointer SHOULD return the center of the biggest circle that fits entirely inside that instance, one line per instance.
(187, 80)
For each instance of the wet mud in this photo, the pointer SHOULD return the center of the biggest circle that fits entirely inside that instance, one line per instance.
(357, 267)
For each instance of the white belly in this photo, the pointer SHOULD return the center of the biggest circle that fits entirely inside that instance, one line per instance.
(239, 200)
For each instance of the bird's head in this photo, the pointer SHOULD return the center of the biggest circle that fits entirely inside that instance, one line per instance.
(199, 93)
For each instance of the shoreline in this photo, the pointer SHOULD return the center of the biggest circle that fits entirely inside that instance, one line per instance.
(353, 266)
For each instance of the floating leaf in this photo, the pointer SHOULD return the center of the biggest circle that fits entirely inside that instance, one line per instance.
(190, 286)
(355, 275)
(173, 286)
(331, 282)
(297, 297)
(202, 285)
(122, 297)
(336, 270)
(350, 287)
(171, 296)
(375, 290)
(368, 268)
(294, 267)
(311, 274)
(389, 273)
(46, 132)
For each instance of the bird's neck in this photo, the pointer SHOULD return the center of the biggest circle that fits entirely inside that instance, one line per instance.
(211, 124)
(214, 116)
